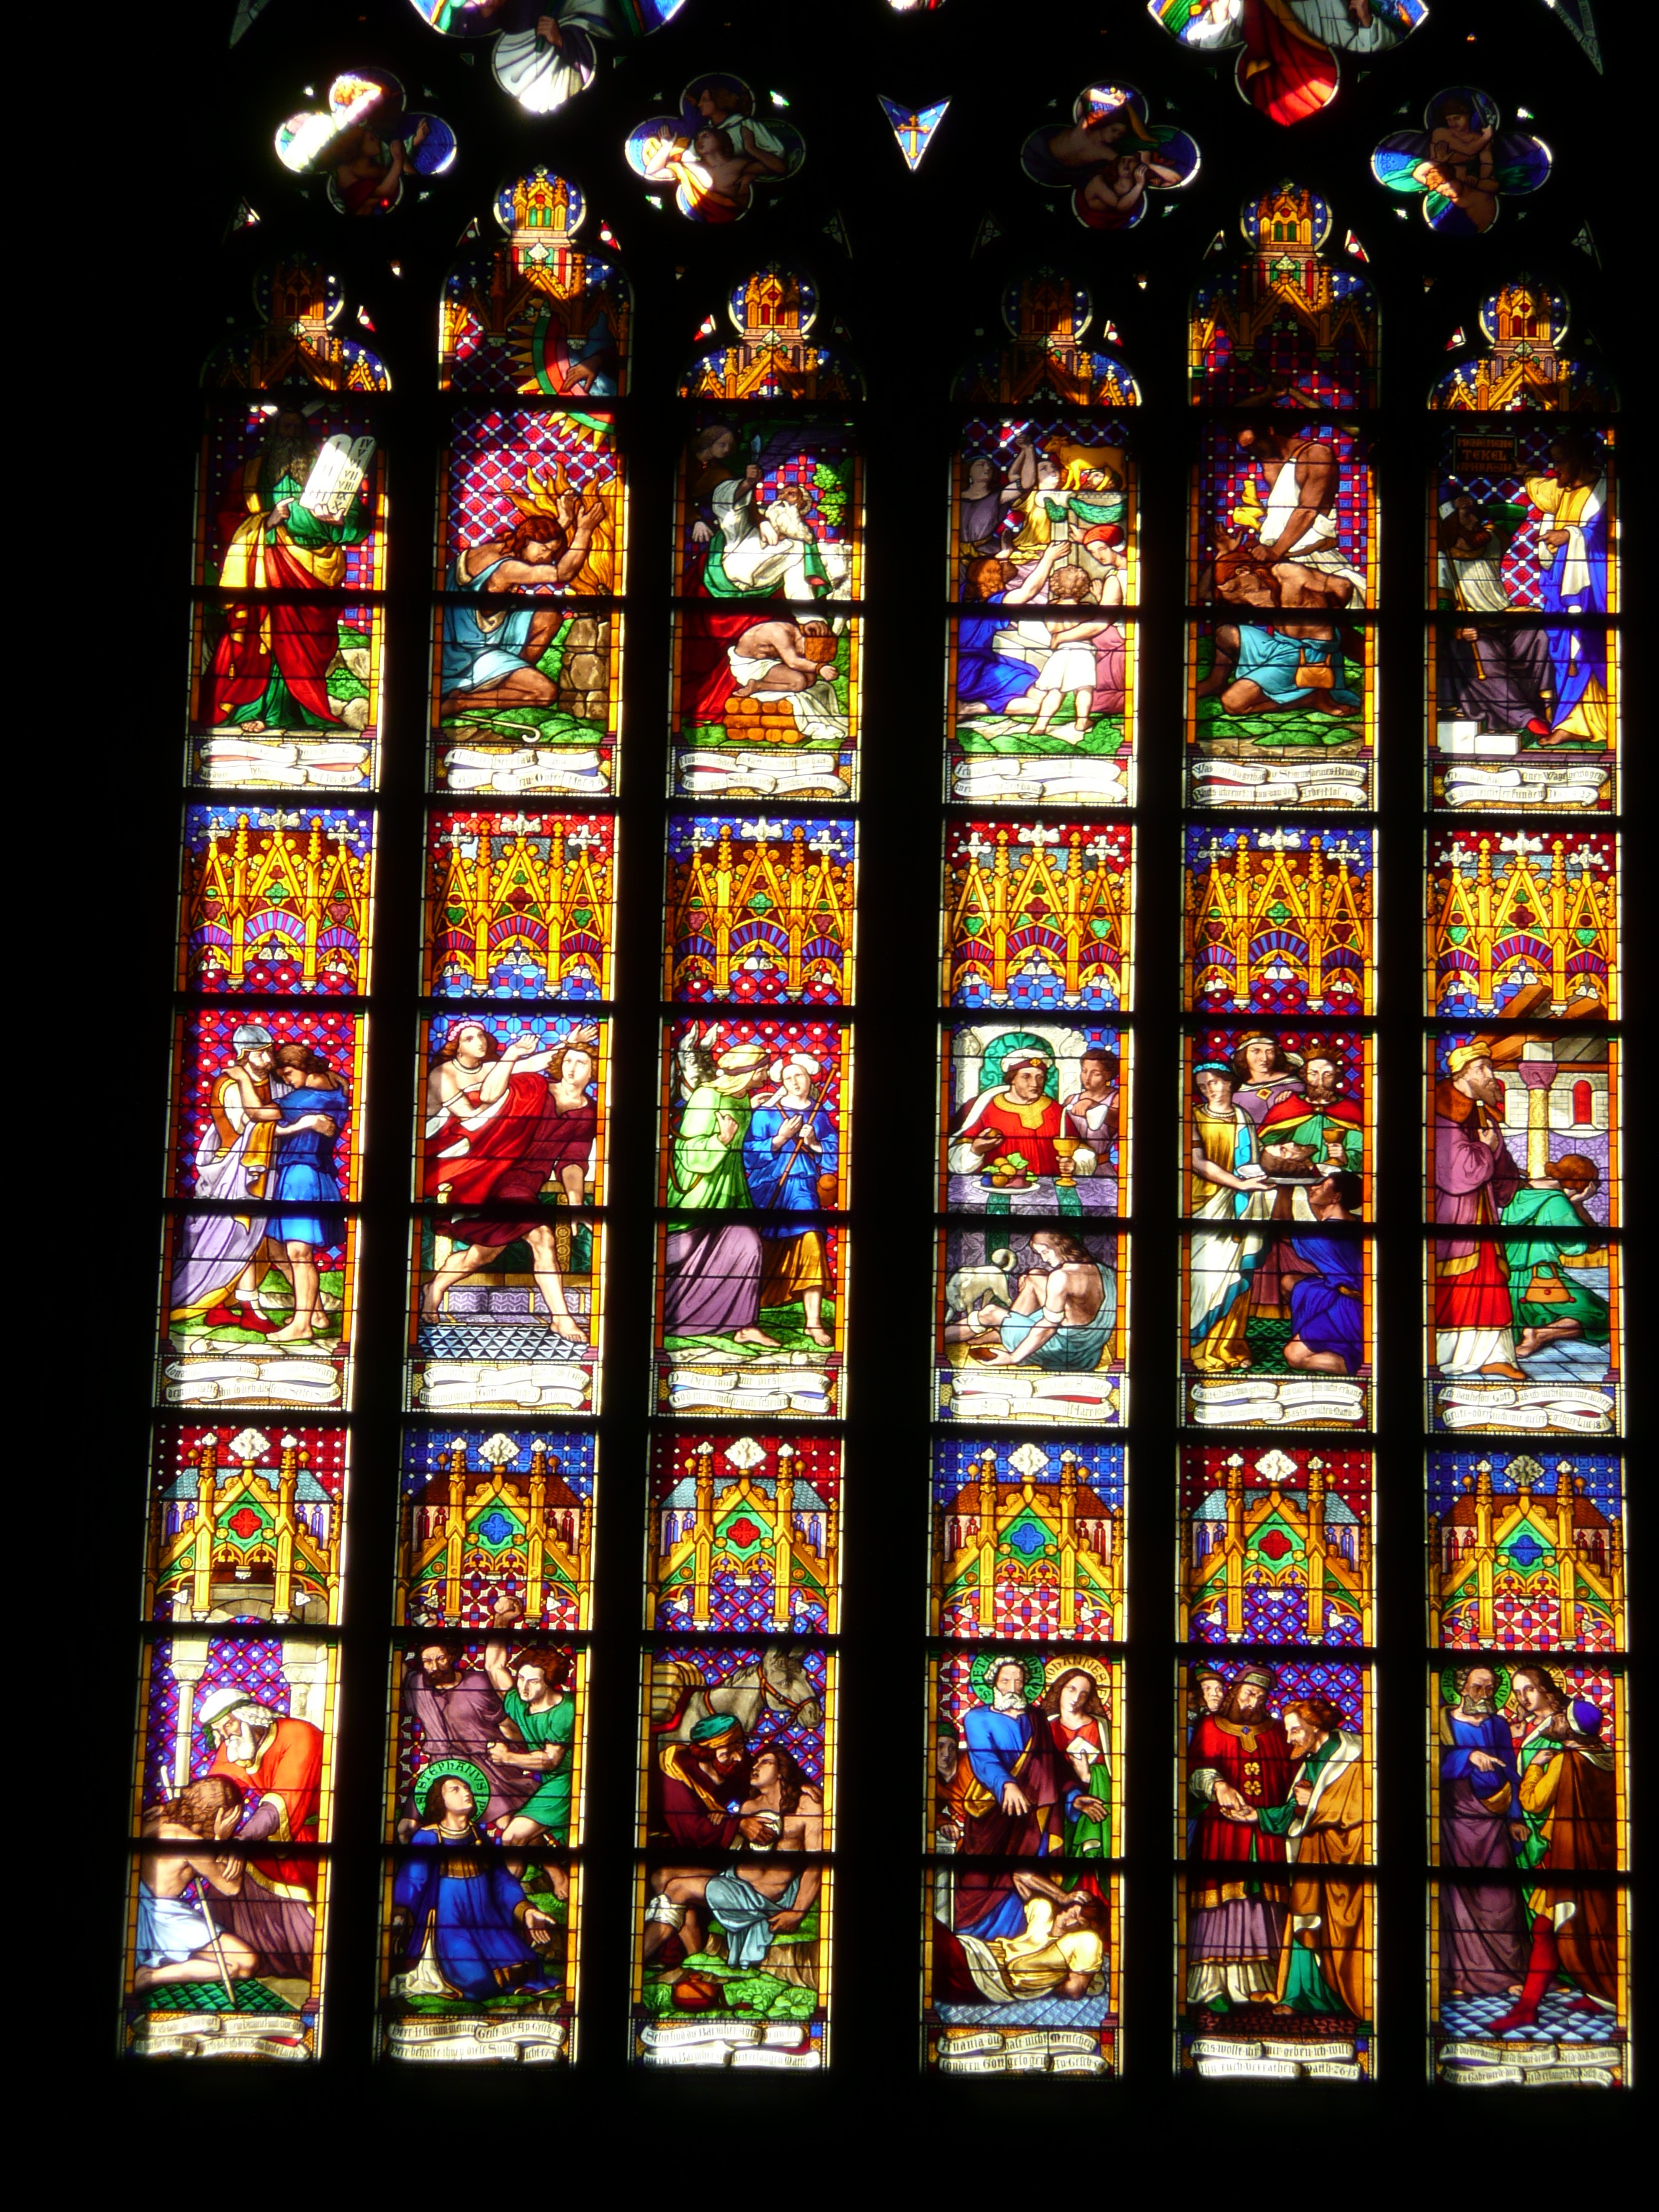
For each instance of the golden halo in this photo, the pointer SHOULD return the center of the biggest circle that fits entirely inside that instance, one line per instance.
(1099, 1668)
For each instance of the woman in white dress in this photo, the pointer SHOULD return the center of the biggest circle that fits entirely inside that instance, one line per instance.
(1228, 1187)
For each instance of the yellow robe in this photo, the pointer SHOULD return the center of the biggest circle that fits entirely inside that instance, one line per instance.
(1325, 1909)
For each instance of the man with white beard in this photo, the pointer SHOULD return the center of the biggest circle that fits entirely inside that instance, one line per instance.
(1482, 1924)
(755, 554)
(277, 1764)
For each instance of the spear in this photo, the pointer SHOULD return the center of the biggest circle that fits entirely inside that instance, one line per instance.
(213, 1937)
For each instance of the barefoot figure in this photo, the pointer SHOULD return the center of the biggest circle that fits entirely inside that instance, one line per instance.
(178, 1941)
(306, 1218)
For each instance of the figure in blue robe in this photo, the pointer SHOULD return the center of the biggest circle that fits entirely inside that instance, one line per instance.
(1328, 1306)
(471, 1919)
(986, 678)
(1572, 501)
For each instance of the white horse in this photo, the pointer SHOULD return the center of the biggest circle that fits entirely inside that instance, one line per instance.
(779, 1683)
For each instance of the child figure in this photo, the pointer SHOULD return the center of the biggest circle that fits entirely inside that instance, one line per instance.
(1069, 670)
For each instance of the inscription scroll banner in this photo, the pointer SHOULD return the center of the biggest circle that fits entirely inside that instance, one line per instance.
(677, 2034)
(1254, 2070)
(748, 2046)
(461, 2050)
(1497, 2054)
(162, 2045)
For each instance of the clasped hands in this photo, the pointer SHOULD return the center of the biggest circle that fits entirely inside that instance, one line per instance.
(1229, 1801)
(1235, 1809)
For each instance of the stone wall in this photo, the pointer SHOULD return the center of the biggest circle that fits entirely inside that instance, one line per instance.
(582, 685)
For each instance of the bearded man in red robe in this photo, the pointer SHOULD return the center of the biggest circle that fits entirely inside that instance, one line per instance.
(269, 666)
(277, 1764)
(1237, 1762)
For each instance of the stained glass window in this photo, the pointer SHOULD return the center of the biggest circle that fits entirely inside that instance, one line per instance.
(1087, 636)
(1276, 1699)
(233, 1810)
(1023, 1896)
(1526, 1714)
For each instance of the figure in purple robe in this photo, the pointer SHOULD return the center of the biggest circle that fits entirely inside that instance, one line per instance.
(712, 1280)
(459, 1715)
(1483, 1934)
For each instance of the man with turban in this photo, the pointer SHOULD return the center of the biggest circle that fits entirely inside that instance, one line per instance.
(700, 1780)
(1015, 1116)
(276, 1762)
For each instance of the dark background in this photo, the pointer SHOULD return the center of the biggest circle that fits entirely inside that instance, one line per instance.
(181, 131)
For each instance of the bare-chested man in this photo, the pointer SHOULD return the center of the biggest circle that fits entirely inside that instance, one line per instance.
(772, 656)
(986, 497)
(1061, 1317)
(1108, 199)
(526, 1122)
(176, 1941)
(716, 171)
(1458, 140)
(490, 656)
(1298, 535)
(1267, 667)
(760, 1898)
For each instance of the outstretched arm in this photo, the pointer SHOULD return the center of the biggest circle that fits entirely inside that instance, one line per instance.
(1028, 1884)
(1023, 476)
(513, 575)
(570, 564)
(247, 1095)
(1028, 588)
(495, 1651)
(1209, 1171)
(517, 1060)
